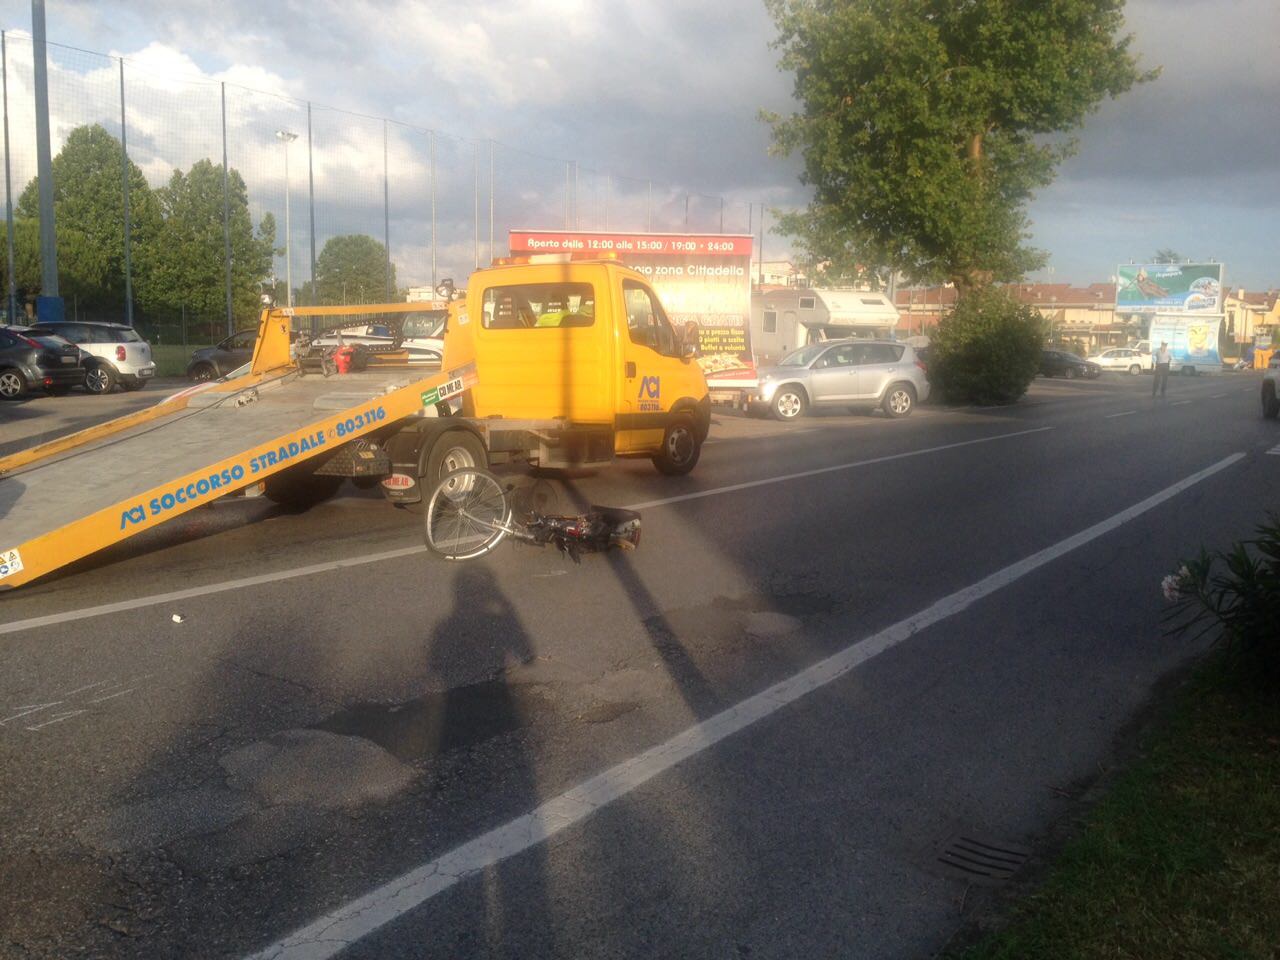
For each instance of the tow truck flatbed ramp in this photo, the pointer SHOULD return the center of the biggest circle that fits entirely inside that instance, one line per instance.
(77, 496)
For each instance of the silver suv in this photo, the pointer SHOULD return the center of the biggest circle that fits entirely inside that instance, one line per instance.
(117, 354)
(1271, 388)
(845, 373)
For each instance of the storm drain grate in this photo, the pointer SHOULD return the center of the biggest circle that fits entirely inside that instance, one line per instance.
(982, 861)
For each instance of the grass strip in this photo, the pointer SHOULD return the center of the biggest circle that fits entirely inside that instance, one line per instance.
(1181, 857)
(171, 359)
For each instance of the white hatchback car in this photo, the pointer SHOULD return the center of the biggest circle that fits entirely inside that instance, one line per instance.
(117, 353)
(1124, 359)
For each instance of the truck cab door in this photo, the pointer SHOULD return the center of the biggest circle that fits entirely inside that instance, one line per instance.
(648, 385)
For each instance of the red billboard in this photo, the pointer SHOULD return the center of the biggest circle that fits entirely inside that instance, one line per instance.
(704, 279)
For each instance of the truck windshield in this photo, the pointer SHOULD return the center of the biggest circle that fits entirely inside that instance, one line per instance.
(535, 305)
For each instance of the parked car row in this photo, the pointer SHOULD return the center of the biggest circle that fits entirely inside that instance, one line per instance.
(56, 356)
(1056, 363)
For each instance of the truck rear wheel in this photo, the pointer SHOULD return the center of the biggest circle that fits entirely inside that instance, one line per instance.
(300, 489)
(452, 450)
(680, 448)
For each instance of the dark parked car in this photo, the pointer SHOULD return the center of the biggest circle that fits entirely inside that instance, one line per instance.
(32, 361)
(1055, 363)
(210, 363)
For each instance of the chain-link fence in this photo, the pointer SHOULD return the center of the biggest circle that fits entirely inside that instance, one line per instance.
(229, 191)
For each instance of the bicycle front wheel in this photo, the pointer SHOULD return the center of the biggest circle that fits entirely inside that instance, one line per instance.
(467, 515)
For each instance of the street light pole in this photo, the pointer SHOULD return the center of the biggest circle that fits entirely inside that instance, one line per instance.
(287, 138)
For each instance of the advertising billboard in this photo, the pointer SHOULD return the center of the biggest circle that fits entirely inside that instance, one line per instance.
(701, 279)
(1169, 288)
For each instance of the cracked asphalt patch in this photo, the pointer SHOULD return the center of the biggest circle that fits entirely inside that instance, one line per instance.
(316, 768)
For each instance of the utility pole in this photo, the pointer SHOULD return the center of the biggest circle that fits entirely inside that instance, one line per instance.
(44, 158)
(285, 137)
(12, 293)
(226, 214)
(386, 208)
(311, 215)
(128, 259)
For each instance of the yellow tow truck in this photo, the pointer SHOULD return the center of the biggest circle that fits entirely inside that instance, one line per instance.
(552, 361)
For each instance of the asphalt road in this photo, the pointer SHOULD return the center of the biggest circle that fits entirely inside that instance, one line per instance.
(842, 642)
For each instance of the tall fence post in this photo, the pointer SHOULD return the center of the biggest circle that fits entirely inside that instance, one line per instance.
(491, 193)
(568, 181)
(44, 158)
(648, 208)
(12, 292)
(431, 145)
(311, 217)
(128, 240)
(760, 256)
(475, 165)
(722, 214)
(607, 181)
(386, 208)
(226, 211)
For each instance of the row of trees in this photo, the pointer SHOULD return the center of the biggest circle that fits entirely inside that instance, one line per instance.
(177, 247)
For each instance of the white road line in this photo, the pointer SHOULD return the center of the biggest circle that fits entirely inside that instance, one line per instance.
(28, 709)
(112, 696)
(1127, 413)
(1274, 450)
(56, 719)
(1179, 403)
(1217, 396)
(176, 595)
(87, 686)
(339, 929)
(768, 481)
(137, 603)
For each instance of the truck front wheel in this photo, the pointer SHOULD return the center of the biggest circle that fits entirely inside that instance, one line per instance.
(1270, 402)
(452, 450)
(680, 448)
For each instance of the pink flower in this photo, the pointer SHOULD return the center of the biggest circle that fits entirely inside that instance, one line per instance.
(1175, 584)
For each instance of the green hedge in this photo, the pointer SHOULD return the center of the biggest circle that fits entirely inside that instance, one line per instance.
(987, 350)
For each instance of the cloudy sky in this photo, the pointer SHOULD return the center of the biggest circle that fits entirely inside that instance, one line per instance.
(654, 100)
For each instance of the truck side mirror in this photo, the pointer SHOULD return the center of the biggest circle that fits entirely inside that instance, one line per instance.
(688, 350)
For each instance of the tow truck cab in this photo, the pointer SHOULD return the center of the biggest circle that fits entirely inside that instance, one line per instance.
(574, 362)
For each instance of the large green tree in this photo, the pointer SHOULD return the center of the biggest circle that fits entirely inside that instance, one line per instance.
(925, 126)
(190, 266)
(88, 207)
(351, 269)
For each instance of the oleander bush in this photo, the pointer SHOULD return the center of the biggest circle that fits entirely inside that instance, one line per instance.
(1234, 596)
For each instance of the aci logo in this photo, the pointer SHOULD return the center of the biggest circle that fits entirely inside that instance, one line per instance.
(650, 394)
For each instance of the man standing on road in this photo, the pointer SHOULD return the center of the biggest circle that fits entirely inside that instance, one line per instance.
(1162, 359)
